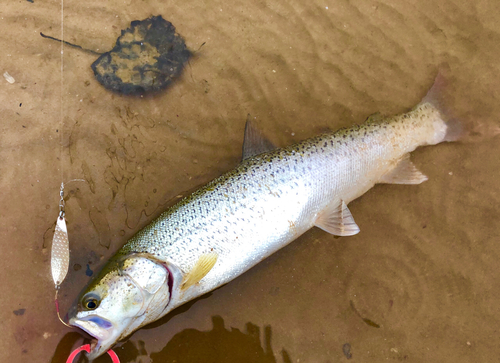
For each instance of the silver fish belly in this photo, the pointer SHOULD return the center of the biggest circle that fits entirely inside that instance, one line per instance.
(242, 217)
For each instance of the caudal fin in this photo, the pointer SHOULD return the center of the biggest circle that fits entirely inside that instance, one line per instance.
(463, 128)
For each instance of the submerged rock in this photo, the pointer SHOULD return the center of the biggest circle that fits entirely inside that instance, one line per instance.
(146, 58)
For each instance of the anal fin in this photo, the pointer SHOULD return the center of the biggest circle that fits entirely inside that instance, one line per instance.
(254, 142)
(202, 267)
(405, 172)
(337, 220)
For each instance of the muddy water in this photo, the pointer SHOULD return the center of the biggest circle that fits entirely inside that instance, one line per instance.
(418, 284)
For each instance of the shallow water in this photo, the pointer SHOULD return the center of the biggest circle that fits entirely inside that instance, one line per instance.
(418, 284)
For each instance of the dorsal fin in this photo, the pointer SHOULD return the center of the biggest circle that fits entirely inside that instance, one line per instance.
(202, 267)
(254, 142)
(405, 172)
(337, 220)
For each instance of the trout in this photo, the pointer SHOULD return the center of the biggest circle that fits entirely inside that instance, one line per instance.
(237, 220)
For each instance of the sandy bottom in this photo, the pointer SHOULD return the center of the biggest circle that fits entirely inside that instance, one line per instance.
(420, 283)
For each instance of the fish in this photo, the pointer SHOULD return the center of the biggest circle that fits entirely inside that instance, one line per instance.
(237, 220)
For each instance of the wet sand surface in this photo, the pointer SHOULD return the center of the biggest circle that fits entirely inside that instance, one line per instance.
(418, 284)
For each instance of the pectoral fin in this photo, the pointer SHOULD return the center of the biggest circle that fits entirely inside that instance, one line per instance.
(405, 172)
(337, 220)
(202, 267)
(254, 142)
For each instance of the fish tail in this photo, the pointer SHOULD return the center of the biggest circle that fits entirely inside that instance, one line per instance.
(458, 127)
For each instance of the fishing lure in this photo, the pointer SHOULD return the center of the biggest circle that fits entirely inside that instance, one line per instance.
(60, 246)
(60, 251)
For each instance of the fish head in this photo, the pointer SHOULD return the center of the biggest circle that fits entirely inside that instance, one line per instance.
(126, 295)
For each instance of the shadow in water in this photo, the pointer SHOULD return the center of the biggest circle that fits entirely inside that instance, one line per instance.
(65, 346)
(219, 345)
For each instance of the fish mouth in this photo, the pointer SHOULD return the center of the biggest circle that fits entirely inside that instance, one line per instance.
(101, 330)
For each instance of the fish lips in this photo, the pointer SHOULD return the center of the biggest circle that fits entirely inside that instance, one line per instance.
(102, 330)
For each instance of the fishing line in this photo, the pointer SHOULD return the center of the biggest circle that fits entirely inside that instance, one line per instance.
(61, 135)
(60, 242)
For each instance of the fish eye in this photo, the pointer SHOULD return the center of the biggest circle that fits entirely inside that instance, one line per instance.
(90, 302)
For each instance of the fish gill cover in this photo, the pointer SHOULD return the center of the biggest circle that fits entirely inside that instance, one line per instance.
(146, 58)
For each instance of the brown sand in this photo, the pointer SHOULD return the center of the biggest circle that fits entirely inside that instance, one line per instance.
(425, 267)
